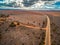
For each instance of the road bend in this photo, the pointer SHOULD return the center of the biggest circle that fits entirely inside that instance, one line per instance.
(48, 37)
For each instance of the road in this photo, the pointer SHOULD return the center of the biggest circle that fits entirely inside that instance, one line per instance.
(34, 27)
(48, 37)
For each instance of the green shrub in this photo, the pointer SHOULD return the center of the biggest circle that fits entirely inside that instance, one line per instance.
(12, 24)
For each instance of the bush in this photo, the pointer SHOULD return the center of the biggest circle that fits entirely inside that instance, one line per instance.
(7, 15)
(4, 15)
(12, 24)
(17, 23)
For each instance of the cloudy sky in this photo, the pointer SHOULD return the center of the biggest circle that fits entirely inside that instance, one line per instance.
(30, 4)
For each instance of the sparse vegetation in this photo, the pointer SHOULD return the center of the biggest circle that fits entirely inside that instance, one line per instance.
(2, 19)
(12, 24)
(33, 21)
(43, 39)
(18, 23)
(4, 15)
(55, 34)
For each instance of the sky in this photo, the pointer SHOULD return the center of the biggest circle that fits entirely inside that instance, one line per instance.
(1, 0)
(30, 4)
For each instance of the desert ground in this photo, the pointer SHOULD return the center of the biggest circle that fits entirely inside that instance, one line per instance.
(20, 27)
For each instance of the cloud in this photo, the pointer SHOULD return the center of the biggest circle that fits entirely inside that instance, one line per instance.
(30, 4)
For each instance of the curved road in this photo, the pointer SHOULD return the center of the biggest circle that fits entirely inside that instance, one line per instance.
(48, 36)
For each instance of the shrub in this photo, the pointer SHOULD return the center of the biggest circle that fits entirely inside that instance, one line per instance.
(12, 24)
(17, 23)
(4, 15)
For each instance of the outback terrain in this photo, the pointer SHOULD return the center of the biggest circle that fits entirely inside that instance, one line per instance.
(24, 27)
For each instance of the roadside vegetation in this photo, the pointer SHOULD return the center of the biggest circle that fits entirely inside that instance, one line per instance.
(55, 34)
